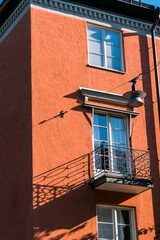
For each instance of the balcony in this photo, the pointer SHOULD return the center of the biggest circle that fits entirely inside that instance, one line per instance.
(119, 169)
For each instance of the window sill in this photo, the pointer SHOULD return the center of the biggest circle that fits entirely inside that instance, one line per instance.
(106, 69)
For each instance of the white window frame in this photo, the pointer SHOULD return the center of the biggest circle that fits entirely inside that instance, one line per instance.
(109, 114)
(115, 223)
(127, 121)
(104, 48)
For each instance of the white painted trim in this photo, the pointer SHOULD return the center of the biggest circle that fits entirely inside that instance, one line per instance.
(114, 219)
(111, 110)
(104, 49)
(92, 119)
(93, 16)
(99, 91)
(104, 96)
(106, 69)
(115, 223)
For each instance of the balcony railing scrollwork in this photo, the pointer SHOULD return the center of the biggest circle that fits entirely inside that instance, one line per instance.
(120, 162)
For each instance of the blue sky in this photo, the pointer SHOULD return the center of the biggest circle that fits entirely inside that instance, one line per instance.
(152, 2)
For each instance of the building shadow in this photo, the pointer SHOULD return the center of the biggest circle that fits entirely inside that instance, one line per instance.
(63, 200)
(59, 200)
(75, 95)
(61, 180)
(150, 125)
(80, 108)
(16, 134)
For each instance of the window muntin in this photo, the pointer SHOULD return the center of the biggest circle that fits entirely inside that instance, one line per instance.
(115, 223)
(105, 48)
(109, 129)
(110, 144)
(118, 131)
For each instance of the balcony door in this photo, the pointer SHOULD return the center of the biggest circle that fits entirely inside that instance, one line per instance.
(111, 143)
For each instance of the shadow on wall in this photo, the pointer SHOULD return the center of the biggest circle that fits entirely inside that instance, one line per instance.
(150, 125)
(65, 204)
(145, 231)
(59, 208)
(77, 95)
(89, 236)
(78, 108)
(60, 180)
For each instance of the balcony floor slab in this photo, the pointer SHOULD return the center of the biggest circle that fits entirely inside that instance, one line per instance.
(120, 184)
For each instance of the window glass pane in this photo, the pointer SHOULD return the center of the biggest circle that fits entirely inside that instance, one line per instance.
(114, 63)
(98, 159)
(97, 144)
(112, 37)
(113, 51)
(107, 223)
(94, 33)
(100, 133)
(124, 233)
(101, 156)
(100, 120)
(118, 130)
(120, 165)
(105, 231)
(104, 214)
(120, 160)
(118, 136)
(96, 59)
(123, 216)
(95, 47)
(117, 122)
(97, 156)
(111, 58)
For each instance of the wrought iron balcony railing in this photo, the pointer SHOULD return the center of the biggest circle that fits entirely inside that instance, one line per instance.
(120, 162)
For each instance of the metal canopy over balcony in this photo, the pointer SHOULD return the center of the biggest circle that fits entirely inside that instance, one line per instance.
(118, 169)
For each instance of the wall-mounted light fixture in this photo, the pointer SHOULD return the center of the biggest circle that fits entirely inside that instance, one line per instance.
(134, 97)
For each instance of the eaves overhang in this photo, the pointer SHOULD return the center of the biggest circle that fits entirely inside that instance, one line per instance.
(128, 8)
(6, 9)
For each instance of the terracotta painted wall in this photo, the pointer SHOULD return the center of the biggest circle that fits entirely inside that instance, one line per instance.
(64, 204)
(40, 76)
(16, 134)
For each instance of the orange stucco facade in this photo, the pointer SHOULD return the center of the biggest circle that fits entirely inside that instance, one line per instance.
(44, 62)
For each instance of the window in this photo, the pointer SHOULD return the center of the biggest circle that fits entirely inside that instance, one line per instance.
(111, 143)
(105, 48)
(115, 223)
